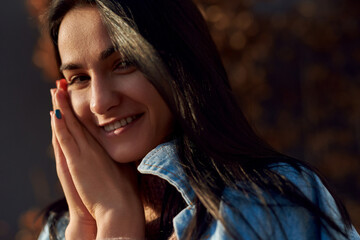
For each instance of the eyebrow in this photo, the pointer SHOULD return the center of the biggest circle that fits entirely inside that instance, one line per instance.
(107, 53)
(103, 55)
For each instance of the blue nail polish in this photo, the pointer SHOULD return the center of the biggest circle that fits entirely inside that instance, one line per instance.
(58, 114)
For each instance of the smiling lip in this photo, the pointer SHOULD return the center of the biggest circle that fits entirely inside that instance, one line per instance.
(116, 126)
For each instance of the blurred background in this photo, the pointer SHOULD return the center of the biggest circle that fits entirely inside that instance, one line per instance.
(293, 64)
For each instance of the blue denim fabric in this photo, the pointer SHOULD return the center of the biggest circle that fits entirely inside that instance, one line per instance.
(288, 222)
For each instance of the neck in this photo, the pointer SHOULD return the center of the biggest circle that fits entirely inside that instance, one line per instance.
(156, 196)
(153, 190)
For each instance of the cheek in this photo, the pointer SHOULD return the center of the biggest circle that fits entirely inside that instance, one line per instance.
(161, 115)
(167, 120)
(79, 104)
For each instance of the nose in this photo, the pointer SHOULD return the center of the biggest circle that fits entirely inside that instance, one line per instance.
(103, 96)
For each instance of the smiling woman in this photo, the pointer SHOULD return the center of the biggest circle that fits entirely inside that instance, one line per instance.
(150, 143)
(112, 99)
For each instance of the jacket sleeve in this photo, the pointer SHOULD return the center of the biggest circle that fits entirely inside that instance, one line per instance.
(60, 228)
(249, 218)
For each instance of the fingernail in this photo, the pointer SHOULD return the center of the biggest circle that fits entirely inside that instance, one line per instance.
(61, 84)
(58, 114)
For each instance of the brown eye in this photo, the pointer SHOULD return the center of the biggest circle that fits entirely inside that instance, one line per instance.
(79, 79)
(124, 67)
(123, 64)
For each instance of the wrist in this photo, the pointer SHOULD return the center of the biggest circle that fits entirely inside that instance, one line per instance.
(121, 225)
(80, 230)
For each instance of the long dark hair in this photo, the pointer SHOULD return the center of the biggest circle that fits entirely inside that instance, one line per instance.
(169, 42)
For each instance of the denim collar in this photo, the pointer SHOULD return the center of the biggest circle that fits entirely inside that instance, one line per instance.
(164, 162)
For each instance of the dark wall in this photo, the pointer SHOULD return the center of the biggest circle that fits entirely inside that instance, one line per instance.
(26, 170)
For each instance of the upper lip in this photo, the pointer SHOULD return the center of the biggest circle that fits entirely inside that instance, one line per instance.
(102, 124)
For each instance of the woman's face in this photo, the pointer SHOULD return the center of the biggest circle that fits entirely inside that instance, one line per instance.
(110, 96)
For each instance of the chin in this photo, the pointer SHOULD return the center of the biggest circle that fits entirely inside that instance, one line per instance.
(132, 150)
(127, 154)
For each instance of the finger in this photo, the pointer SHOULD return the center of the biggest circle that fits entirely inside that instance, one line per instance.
(57, 150)
(61, 84)
(72, 120)
(74, 127)
(61, 166)
(65, 139)
(72, 197)
(52, 92)
(59, 155)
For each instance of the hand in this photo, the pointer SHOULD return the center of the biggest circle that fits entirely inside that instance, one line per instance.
(102, 195)
(81, 224)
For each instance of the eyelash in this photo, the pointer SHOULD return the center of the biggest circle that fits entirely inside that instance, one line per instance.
(78, 78)
(122, 65)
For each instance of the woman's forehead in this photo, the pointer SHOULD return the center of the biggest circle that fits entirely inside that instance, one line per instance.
(81, 21)
(82, 32)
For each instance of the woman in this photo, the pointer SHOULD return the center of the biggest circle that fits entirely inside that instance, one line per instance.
(150, 143)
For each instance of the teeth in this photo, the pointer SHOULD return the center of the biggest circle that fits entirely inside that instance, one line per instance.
(123, 122)
(118, 124)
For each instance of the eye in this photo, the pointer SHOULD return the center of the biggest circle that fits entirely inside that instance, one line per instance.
(124, 67)
(78, 79)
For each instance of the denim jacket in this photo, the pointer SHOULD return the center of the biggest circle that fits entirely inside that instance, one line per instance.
(288, 222)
